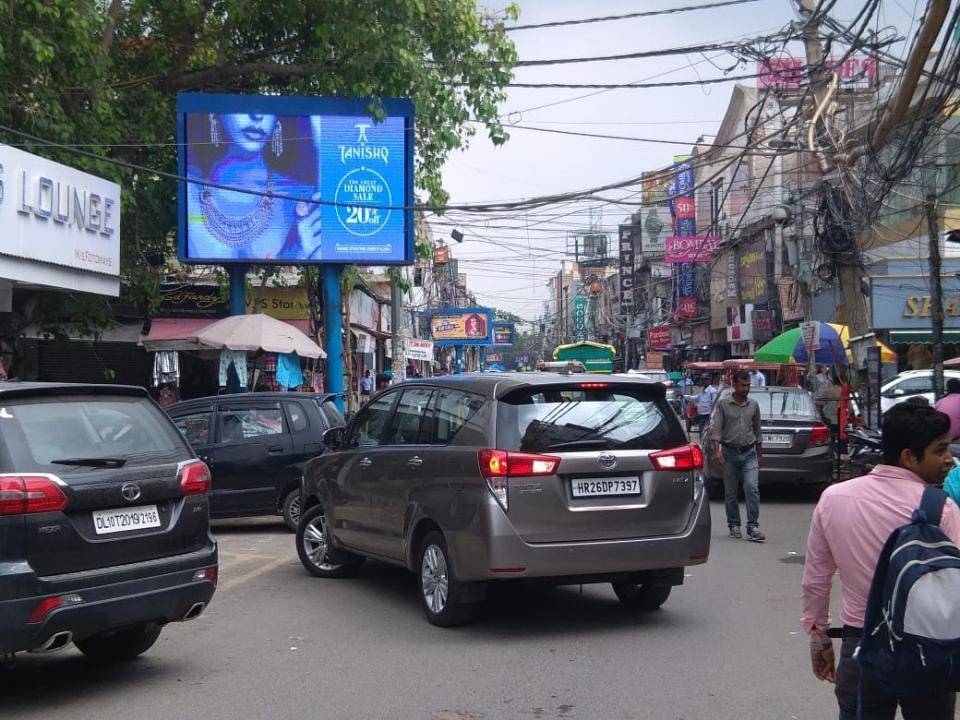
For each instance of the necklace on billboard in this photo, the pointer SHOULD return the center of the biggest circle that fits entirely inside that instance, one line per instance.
(236, 231)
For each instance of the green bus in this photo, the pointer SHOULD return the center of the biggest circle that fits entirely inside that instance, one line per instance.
(596, 357)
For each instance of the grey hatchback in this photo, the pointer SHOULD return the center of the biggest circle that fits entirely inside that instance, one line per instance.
(466, 480)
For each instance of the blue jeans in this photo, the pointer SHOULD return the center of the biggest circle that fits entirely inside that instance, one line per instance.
(877, 704)
(702, 421)
(741, 468)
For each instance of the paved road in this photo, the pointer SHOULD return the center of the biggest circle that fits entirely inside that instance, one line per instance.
(279, 643)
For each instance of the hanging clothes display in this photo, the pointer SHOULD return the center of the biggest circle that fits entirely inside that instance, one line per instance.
(237, 358)
(166, 368)
(289, 374)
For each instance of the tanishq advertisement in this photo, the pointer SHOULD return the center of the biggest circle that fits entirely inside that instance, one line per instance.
(290, 188)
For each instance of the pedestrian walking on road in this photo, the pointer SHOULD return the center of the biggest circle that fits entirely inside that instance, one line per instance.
(850, 526)
(949, 404)
(366, 384)
(705, 400)
(738, 448)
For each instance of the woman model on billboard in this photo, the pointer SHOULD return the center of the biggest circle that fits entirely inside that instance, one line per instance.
(248, 151)
(475, 326)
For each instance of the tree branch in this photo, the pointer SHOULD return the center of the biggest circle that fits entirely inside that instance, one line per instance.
(214, 74)
(228, 27)
(109, 26)
(188, 42)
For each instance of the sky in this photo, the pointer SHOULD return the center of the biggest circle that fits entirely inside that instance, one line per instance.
(508, 267)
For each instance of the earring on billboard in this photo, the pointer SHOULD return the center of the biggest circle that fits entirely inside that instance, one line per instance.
(214, 130)
(276, 140)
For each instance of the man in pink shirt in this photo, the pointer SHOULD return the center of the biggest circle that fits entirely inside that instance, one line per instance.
(949, 404)
(850, 525)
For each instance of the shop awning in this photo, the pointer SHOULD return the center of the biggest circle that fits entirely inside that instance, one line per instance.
(908, 337)
(124, 332)
(177, 333)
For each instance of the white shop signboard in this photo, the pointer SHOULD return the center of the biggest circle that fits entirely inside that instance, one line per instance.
(419, 350)
(59, 227)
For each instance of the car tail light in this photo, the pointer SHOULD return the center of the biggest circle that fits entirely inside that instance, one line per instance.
(23, 494)
(49, 604)
(668, 384)
(685, 457)
(194, 478)
(594, 386)
(44, 608)
(819, 435)
(497, 466)
(209, 574)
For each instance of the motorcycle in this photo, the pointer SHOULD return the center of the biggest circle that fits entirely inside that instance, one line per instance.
(865, 451)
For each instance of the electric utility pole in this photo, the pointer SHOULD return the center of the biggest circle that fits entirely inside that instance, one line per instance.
(850, 275)
(396, 330)
(936, 293)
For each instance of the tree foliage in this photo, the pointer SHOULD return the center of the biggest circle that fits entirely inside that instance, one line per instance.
(104, 74)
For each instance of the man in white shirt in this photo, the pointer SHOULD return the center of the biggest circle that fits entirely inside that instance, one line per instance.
(757, 378)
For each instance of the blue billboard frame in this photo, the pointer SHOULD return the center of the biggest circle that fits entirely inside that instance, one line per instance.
(487, 312)
(513, 333)
(188, 103)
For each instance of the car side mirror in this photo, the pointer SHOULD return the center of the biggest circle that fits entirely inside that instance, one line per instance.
(334, 438)
(898, 392)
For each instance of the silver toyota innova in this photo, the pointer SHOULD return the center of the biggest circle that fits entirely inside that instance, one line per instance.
(473, 479)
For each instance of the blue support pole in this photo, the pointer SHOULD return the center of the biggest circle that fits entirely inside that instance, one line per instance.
(238, 289)
(238, 299)
(458, 367)
(333, 331)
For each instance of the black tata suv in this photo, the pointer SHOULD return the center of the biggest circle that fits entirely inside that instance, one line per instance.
(104, 530)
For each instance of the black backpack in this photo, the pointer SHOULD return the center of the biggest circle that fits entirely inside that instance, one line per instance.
(911, 632)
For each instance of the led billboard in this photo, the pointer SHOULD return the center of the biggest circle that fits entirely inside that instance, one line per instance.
(294, 180)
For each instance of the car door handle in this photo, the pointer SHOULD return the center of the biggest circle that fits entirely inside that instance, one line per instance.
(415, 461)
(275, 449)
(365, 462)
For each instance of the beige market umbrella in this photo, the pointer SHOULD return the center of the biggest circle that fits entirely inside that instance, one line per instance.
(258, 332)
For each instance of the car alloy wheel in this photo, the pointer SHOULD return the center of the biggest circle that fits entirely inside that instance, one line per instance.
(435, 584)
(315, 544)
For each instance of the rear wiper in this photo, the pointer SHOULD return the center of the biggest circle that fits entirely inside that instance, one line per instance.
(578, 443)
(96, 462)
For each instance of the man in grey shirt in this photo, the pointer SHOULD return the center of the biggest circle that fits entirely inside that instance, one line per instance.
(738, 446)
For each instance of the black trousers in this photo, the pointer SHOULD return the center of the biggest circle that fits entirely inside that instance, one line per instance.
(877, 704)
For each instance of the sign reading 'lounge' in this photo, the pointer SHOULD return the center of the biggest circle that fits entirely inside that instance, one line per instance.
(57, 215)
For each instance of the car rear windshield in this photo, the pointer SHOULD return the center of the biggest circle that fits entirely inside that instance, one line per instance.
(571, 418)
(785, 403)
(132, 430)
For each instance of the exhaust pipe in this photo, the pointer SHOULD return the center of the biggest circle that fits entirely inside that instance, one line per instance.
(193, 612)
(57, 642)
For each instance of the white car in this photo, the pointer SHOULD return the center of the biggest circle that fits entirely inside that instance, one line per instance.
(909, 384)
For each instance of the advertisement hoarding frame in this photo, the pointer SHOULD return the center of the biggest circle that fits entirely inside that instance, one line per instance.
(499, 324)
(303, 106)
(486, 312)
